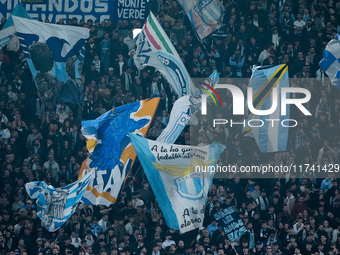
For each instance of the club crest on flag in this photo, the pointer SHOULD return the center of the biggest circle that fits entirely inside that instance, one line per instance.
(178, 184)
(209, 11)
(191, 186)
(205, 15)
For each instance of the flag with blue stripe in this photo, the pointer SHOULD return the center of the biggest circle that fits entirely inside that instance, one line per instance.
(8, 31)
(331, 61)
(54, 54)
(271, 136)
(179, 177)
(56, 205)
(205, 15)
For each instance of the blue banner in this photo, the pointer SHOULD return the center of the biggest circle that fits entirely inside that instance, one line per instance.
(131, 9)
(84, 9)
(231, 223)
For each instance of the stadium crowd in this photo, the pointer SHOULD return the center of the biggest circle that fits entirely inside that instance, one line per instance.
(40, 138)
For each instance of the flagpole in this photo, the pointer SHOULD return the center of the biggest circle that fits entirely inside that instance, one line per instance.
(39, 95)
(232, 246)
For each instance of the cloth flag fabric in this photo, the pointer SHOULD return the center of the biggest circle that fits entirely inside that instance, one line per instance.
(331, 61)
(8, 31)
(181, 112)
(56, 205)
(112, 154)
(54, 54)
(180, 188)
(269, 137)
(6, 35)
(231, 223)
(155, 49)
(205, 15)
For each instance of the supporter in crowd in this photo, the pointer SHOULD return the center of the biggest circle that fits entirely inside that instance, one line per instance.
(40, 138)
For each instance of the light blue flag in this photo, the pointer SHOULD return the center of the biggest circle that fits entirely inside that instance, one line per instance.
(56, 205)
(54, 54)
(182, 110)
(205, 15)
(331, 61)
(8, 30)
(271, 136)
(18, 11)
(6, 35)
(179, 178)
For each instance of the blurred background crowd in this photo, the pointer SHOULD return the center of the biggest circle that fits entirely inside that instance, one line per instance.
(40, 138)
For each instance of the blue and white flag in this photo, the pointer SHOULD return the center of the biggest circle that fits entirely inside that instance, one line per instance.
(53, 53)
(5, 35)
(155, 49)
(179, 177)
(205, 15)
(271, 136)
(56, 205)
(182, 110)
(112, 154)
(331, 61)
(8, 31)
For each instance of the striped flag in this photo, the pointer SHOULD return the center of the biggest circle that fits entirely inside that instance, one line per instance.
(205, 15)
(270, 137)
(155, 49)
(331, 61)
(56, 205)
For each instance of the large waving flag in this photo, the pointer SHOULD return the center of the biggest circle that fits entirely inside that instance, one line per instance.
(53, 54)
(205, 15)
(8, 31)
(331, 61)
(180, 114)
(155, 49)
(56, 205)
(180, 187)
(269, 137)
(112, 154)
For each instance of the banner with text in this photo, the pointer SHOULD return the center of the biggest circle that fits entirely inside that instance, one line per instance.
(85, 9)
(130, 10)
(181, 192)
(231, 223)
